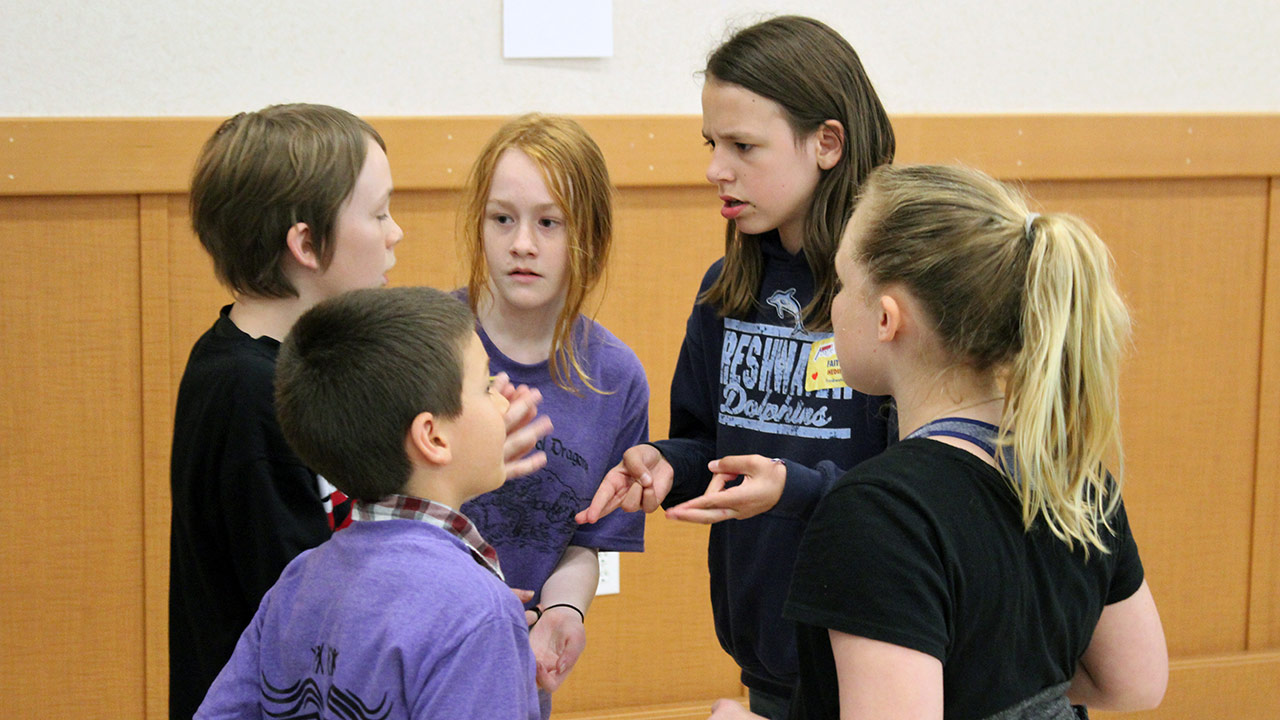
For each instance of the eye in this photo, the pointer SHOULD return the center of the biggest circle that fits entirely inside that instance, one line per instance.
(709, 144)
(743, 147)
(549, 223)
(501, 218)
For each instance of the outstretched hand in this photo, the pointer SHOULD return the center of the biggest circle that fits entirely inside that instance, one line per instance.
(762, 482)
(640, 482)
(524, 427)
(558, 640)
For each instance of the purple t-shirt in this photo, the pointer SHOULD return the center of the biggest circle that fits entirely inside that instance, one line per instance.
(391, 619)
(529, 520)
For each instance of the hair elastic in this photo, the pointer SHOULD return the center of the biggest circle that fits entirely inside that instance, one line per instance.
(1026, 227)
(566, 605)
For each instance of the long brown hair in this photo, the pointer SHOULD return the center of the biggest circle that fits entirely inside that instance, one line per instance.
(815, 75)
(575, 173)
(1030, 297)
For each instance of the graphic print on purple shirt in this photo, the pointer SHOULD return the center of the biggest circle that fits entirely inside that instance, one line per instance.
(529, 520)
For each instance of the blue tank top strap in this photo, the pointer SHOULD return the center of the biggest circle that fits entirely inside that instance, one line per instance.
(979, 433)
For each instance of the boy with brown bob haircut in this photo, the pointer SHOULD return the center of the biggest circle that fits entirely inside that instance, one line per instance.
(404, 614)
(292, 204)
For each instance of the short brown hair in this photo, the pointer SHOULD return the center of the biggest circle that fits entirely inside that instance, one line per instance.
(263, 172)
(576, 176)
(814, 75)
(355, 371)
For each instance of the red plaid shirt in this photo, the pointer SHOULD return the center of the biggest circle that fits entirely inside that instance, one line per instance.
(405, 507)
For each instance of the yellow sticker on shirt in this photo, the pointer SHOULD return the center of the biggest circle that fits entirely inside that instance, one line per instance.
(823, 372)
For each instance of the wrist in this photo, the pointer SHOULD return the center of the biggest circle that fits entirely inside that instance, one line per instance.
(566, 607)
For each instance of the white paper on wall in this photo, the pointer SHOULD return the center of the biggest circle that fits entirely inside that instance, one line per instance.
(557, 28)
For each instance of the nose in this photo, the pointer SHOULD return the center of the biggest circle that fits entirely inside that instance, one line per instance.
(717, 169)
(396, 235)
(523, 244)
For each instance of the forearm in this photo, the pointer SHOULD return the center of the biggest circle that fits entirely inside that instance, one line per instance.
(573, 581)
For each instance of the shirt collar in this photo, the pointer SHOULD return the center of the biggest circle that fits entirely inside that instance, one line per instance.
(405, 507)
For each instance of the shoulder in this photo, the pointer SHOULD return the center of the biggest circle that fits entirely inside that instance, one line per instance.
(611, 359)
(711, 275)
(227, 357)
(228, 380)
(910, 471)
(427, 562)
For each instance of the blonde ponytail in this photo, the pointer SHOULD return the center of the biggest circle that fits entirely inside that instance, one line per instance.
(1030, 297)
(1062, 410)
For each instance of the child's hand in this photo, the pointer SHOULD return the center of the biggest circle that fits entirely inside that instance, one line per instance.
(558, 640)
(640, 482)
(525, 596)
(726, 709)
(524, 427)
(762, 482)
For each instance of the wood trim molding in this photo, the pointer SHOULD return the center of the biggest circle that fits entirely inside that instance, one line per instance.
(1264, 575)
(88, 156)
(153, 240)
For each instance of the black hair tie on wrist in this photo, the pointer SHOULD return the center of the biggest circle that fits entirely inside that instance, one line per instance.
(567, 605)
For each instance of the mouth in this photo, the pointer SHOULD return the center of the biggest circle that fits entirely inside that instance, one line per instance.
(732, 207)
(523, 274)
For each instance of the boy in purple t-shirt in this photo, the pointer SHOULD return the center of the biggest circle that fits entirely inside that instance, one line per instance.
(404, 614)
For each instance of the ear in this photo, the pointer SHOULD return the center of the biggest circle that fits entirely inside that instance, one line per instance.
(302, 246)
(891, 318)
(830, 138)
(427, 442)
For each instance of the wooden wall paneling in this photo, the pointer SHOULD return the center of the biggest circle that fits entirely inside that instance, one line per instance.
(1237, 686)
(75, 156)
(1098, 147)
(665, 239)
(71, 603)
(430, 253)
(1189, 260)
(1201, 422)
(94, 156)
(1264, 602)
(157, 434)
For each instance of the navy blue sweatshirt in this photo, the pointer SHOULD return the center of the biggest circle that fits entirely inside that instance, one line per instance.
(739, 389)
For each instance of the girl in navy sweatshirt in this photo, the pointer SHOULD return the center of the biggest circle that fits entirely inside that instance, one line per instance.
(793, 126)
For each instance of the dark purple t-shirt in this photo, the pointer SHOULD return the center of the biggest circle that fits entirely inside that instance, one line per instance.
(529, 520)
(391, 619)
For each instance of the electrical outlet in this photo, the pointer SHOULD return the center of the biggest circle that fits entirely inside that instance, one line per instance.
(609, 576)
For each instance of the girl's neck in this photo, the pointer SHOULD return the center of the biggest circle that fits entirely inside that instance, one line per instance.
(792, 237)
(951, 395)
(523, 336)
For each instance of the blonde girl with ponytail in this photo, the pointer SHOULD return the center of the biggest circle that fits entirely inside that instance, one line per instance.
(984, 564)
